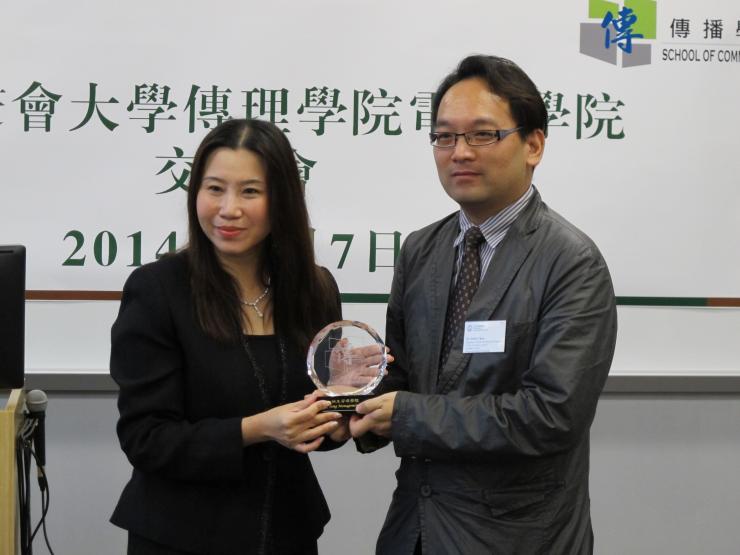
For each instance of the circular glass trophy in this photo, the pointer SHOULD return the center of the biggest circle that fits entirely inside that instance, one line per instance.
(346, 361)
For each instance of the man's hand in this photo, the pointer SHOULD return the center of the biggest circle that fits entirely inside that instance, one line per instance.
(373, 415)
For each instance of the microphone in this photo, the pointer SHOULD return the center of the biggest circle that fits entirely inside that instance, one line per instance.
(36, 401)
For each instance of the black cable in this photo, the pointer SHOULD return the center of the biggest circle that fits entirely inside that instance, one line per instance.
(24, 454)
(23, 462)
(22, 507)
(46, 536)
(45, 501)
(44, 509)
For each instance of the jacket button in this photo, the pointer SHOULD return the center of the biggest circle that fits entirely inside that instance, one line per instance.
(425, 490)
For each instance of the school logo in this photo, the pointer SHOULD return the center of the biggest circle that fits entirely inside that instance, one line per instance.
(620, 35)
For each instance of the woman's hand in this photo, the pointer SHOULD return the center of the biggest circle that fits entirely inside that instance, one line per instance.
(341, 433)
(300, 426)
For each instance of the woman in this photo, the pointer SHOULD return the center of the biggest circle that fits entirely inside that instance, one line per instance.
(209, 353)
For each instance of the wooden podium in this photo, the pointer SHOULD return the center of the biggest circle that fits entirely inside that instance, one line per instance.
(11, 419)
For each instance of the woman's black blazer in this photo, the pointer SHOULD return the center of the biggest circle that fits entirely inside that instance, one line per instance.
(182, 398)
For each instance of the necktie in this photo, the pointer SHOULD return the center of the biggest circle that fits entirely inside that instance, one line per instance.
(462, 294)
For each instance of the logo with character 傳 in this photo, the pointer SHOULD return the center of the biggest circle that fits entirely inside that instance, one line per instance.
(620, 35)
(625, 35)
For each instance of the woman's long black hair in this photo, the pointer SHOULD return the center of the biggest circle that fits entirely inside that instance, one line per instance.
(304, 298)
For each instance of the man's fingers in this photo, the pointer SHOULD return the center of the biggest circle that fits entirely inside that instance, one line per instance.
(366, 407)
(359, 426)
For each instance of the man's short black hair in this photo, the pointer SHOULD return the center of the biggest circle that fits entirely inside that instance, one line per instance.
(507, 80)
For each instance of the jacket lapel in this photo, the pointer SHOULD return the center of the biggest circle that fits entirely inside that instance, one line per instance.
(440, 278)
(508, 258)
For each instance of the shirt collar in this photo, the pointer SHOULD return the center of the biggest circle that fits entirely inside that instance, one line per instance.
(497, 224)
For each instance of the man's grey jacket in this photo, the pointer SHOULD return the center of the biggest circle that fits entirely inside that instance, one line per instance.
(495, 446)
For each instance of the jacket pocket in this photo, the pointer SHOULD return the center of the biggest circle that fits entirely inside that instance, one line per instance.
(522, 504)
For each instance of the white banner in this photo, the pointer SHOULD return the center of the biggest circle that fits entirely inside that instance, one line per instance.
(102, 107)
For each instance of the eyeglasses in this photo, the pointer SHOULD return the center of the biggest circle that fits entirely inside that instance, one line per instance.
(445, 139)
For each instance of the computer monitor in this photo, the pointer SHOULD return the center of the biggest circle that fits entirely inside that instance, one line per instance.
(12, 315)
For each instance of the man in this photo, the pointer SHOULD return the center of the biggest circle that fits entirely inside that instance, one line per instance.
(502, 320)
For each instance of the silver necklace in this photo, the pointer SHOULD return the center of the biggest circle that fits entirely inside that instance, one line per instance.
(253, 304)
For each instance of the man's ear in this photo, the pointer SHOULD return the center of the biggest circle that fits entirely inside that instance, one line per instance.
(535, 143)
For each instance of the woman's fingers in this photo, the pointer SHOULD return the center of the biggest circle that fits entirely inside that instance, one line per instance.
(308, 408)
(311, 435)
(307, 424)
(304, 403)
(310, 446)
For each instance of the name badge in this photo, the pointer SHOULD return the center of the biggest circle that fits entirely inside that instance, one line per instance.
(485, 337)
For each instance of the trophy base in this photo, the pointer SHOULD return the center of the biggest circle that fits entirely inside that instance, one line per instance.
(344, 403)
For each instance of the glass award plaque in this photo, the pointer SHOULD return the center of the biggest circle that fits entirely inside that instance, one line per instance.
(346, 361)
